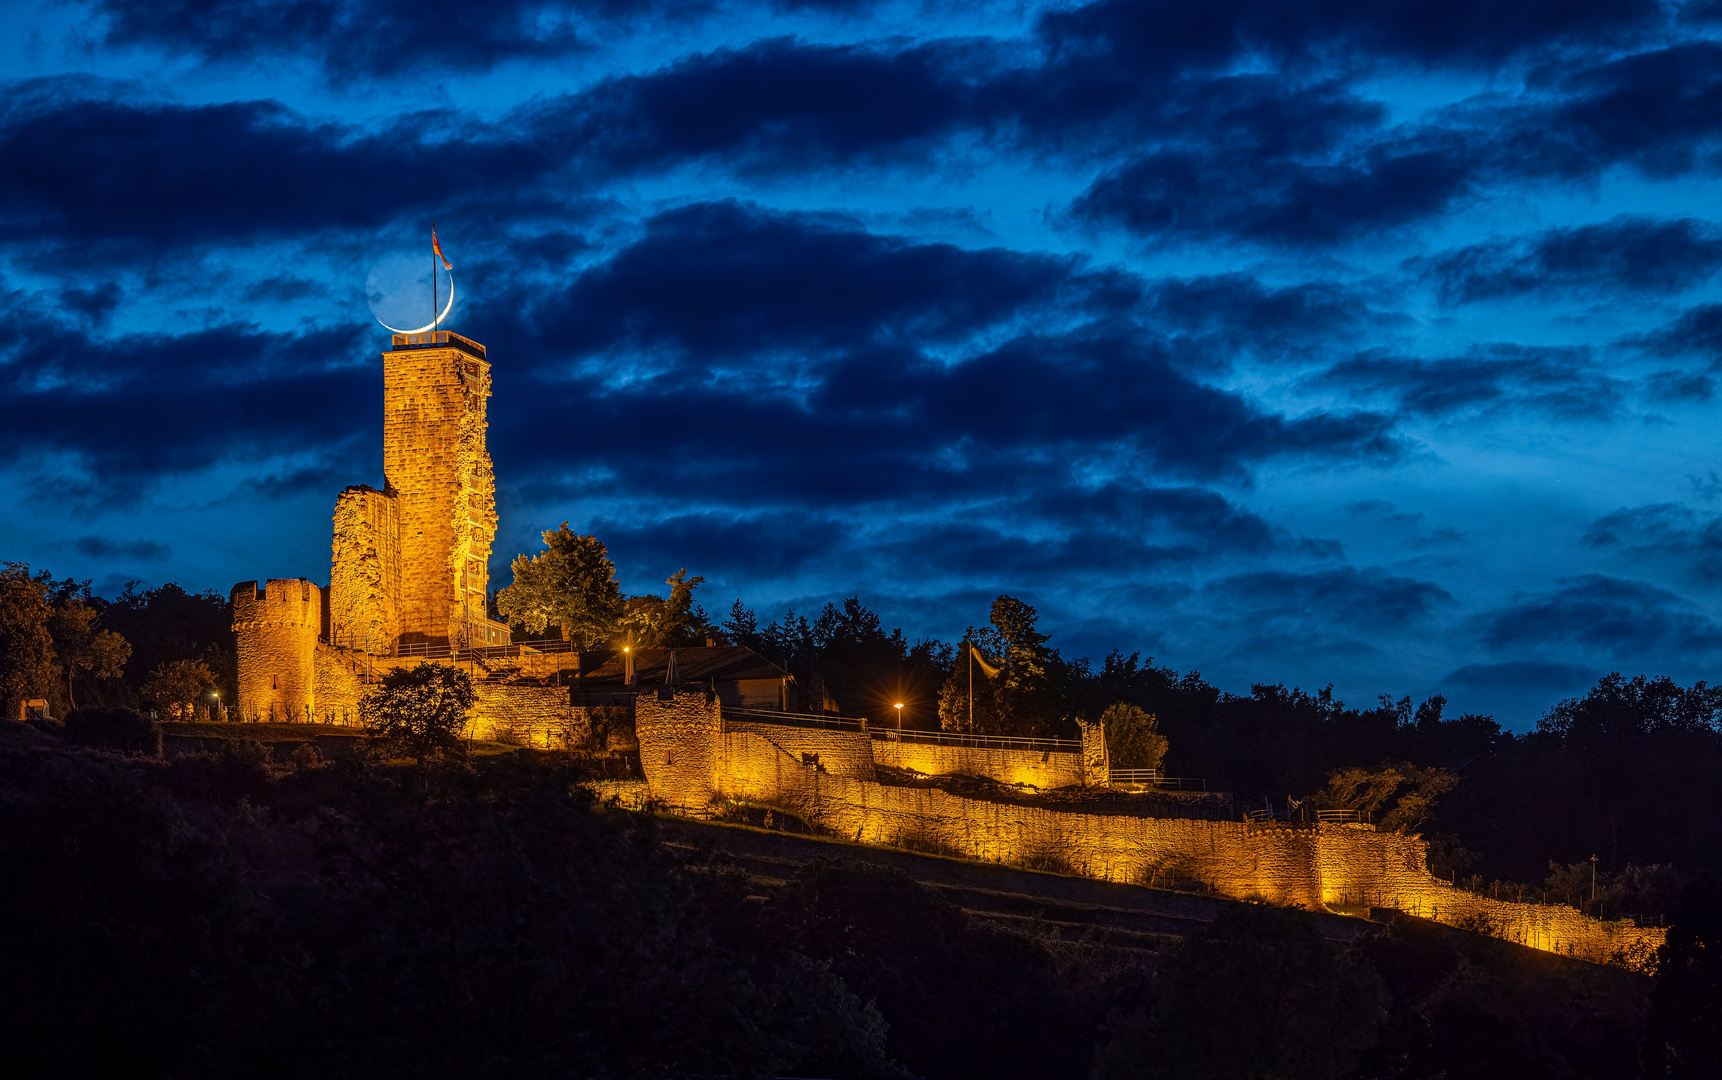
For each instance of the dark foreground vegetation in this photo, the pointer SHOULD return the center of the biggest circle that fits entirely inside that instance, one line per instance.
(224, 913)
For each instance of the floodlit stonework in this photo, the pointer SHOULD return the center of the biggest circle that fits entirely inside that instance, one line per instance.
(407, 586)
(693, 758)
(408, 567)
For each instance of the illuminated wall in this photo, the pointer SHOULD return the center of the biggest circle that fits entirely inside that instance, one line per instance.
(365, 571)
(839, 752)
(1043, 769)
(690, 760)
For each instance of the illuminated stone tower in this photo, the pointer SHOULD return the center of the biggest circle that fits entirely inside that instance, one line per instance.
(409, 562)
(276, 629)
(435, 465)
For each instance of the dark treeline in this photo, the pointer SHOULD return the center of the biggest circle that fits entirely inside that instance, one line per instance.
(159, 648)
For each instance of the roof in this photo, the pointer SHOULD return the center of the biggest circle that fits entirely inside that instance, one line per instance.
(700, 664)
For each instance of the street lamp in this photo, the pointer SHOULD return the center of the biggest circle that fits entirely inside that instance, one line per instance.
(899, 716)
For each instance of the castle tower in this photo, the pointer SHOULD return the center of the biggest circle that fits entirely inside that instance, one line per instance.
(436, 468)
(277, 631)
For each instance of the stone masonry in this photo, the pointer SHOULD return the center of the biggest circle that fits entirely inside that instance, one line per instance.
(408, 562)
(438, 471)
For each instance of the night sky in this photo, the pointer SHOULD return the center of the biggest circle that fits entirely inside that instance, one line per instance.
(1325, 341)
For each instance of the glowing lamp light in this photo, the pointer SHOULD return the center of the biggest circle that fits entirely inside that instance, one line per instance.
(899, 708)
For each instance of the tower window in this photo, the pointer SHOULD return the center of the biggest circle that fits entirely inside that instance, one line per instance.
(274, 682)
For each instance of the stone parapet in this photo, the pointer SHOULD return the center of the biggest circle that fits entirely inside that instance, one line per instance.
(1040, 768)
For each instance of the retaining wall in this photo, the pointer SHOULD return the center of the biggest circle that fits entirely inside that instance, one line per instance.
(1042, 768)
(689, 762)
(840, 752)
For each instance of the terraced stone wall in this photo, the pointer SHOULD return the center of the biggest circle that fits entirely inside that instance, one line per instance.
(1304, 865)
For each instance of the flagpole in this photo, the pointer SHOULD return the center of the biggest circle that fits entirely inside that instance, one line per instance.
(436, 316)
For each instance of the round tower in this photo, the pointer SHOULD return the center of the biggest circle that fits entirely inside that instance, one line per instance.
(277, 630)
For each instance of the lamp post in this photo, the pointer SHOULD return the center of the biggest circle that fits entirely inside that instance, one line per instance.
(899, 716)
(216, 694)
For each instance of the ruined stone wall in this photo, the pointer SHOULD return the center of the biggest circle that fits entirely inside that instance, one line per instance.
(339, 686)
(1363, 867)
(1096, 758)
(365, 571)
(1041, 768)
(436, 465)
(527, 714)
(840, 752)
(679, 739)
(276, 632)
(1299, 864)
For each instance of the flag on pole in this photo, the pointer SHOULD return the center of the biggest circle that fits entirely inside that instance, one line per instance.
(436, 246)
(986, 669)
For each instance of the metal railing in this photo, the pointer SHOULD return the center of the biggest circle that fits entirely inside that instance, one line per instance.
(1134, 776)
(427, 651)
(773, 716)
(982, 742)
(1304, 813)
(1341, 816)
(1164, 783)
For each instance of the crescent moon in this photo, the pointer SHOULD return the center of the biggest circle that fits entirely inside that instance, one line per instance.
(446, 308)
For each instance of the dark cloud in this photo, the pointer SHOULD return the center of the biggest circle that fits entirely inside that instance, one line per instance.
(775, 105)
(1222, 315)
(1697, 332)
(1358, 600)
(721, 280)
(95, 303)
(132, 409)
(1160, 35)
(102, 547)
(1628, 253)
(1659, 111)
(734, 541)
(1558, 382)
(1611, 618)
(1663, 532)
(106, 171)
(1220, 191)
(372, 37)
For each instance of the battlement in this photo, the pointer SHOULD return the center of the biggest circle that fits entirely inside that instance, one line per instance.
(293, 602)
(436, 339)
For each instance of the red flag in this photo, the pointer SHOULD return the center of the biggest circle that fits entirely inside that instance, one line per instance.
(436, 246)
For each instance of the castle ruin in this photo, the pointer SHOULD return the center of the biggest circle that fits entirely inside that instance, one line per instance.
(408, 571)
(408, 584)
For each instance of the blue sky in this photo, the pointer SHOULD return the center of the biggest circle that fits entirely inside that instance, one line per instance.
(1334, 342)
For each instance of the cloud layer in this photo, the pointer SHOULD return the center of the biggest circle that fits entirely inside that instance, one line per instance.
(1339, 343)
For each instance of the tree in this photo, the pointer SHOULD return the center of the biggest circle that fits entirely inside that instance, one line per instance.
(420, 711)
(571, 583)
(1686, 1005)
(81, 647)
(27, 666)
(1133, 739)
(1370, 790)
(1022, 702)
(675, 623)
(177, 686)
